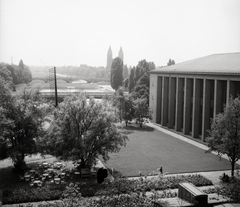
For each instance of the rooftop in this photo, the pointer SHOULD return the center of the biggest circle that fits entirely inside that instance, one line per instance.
(226, 63)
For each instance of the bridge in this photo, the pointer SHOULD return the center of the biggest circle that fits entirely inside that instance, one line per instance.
(62, 93)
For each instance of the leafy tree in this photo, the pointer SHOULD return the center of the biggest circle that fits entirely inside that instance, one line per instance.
(141, 109)
(83, 130)
(21, 65)
(128, 113)
(141, 89)
(224, 135)
(124, 105)
(5, 73)
(23, 123)
(125, 71)
(131, 80)
(118, 103)
(116, 73)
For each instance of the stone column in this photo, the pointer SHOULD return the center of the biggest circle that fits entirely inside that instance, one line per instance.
(172, 102)
(187, 107)
(179, 104)
(230, 90)
(206, 107)
(217, 97)
(196, 108)
(159, 100)
(165, 91)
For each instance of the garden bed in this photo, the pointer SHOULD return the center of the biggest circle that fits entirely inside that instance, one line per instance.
(91, 188)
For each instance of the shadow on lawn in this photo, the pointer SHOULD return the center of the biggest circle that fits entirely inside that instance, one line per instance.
(131, 128)
(8, 179)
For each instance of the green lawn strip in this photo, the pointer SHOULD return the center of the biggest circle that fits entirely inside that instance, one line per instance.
(149, 149)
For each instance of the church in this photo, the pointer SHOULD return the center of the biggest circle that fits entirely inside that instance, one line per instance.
(186, 96)
(110, 58)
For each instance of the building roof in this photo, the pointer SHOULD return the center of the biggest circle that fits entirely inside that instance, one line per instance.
(227, 63)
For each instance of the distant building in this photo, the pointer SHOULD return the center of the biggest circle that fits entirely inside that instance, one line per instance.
(120, 54)
(109, 58)
(184, 97)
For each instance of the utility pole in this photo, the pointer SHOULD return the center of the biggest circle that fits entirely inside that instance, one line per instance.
(55, 84)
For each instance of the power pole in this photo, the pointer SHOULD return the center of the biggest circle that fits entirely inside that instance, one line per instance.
(53, 83)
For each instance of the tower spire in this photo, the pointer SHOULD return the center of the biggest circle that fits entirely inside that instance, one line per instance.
(109, 58)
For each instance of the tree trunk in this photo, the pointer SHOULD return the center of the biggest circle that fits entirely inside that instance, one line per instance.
(20, 164)
(233, 164)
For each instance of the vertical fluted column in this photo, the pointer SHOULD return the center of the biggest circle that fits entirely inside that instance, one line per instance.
(179, 104)
(165, 91)
(172, 102)
(187, 107)
(217, 97)
(196, 108)
(206, 108)
(159, 100)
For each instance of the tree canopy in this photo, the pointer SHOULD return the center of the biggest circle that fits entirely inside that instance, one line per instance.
(15, 74)
(224, 135)
(116, 73)
(82, 130)
(22, 118)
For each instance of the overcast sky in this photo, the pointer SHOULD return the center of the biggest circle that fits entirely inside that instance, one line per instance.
(74, 32)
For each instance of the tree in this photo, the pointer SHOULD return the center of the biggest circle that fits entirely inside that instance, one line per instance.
(124, 105)
(125, 71)
(141, 109)
(224, 135)
(116, 73)
(21, 65)
(128, 113)
(22, 122)
(131, 80)
(83, 130)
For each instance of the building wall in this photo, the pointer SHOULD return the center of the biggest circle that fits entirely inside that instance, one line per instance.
(187, 102)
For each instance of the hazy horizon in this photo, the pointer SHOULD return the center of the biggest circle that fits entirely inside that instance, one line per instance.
(75, 32)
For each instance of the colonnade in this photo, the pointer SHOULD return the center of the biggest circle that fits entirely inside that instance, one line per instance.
(187, 104)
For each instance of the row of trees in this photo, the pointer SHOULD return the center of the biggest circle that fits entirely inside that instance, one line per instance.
(133, 104)
(15, 74)
(79, 130)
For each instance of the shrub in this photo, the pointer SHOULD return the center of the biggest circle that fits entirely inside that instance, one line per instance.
(24, 195)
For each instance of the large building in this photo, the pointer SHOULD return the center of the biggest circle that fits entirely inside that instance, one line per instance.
(184, 97)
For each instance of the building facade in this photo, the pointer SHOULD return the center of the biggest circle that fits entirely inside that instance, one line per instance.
(184, 97)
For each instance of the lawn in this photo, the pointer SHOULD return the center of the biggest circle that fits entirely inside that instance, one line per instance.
(149, 149)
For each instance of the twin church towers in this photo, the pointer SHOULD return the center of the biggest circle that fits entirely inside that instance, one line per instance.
(110, 58)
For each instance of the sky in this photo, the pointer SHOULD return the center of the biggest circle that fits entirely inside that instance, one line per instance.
(74, 32)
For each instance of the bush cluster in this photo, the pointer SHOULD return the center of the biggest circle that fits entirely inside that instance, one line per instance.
(117, 187)
(23, 195)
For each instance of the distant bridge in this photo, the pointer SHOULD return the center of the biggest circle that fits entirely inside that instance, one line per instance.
(63, 93)
(70, 79)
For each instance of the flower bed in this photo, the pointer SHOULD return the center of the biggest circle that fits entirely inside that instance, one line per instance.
(87, 189)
